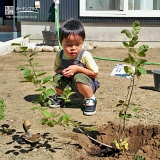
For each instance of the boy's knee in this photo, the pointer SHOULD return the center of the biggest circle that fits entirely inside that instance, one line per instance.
(80, 76)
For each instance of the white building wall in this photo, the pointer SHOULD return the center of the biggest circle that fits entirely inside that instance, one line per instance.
(106, 35)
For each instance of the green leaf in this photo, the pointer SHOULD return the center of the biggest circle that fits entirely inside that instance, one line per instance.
(50, 92)
(66, 118)
(2, 109)
(132, 43)
(128, 70)
(135, 24)
(44, 121)
(141, 54)
(40, 74)
(94, 128)
(35, 108)
(137, 73)
(121, 101)
(71, 93)
(126, 60)
(45, 112)
(119, 104)
(51, 123)
(142, 61)
(23, 54)
(23, 60)
(142, 49)
(41, 88)
(132, 59)
(49, 102)
(136, 30)
(121, 114)
(26, 72)
(67, 90)
(126, 44)
(136, 27)
(46, 79)
(62, 97)
(127, 32)
(42, 97)
(30, 79)
(23, 48)
(60, 119)
(135, 109)
(128, 116)
(67, 100)
(27, 35)
(53, 114)
(135, 38)
(15, 44)
(132, 104)
(142, 70)
(57, 78)
(33, 53)
(30, 60)
(68, 126)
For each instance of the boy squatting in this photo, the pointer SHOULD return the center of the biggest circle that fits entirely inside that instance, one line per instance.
(77, 66)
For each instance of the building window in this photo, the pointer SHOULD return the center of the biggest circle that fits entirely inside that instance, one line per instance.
(120, 8)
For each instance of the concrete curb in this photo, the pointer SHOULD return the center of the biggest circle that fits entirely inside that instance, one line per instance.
(5, 47)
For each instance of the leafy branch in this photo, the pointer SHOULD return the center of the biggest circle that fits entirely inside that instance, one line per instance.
(136, 61)
(2, 114)
(31, 74)
(2, 109)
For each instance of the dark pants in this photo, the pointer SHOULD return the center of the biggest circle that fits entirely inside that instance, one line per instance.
(72, 82)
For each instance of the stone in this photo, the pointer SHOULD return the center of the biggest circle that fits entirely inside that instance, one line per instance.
(56, 49)
(94, 44)
(38, 48)
(87, 47)
(47, 49)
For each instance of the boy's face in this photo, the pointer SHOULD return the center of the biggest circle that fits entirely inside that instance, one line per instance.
(72, 45)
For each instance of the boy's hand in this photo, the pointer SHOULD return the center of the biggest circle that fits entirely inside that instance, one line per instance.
(70, 71)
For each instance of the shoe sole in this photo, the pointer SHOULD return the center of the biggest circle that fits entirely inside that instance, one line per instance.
(89, 113)
(54, 106)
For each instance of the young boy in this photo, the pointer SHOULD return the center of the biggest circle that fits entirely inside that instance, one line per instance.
(77, 66)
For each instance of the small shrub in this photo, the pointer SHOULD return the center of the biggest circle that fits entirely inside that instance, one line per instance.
(2, 109)
(135, 59)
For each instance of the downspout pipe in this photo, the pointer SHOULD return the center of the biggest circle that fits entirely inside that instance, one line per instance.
(14, 19)
(57, 21)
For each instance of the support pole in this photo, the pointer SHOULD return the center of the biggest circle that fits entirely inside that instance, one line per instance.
(14, 19)
(57, 21)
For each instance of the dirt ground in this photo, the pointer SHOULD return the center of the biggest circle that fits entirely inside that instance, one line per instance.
(59, 143)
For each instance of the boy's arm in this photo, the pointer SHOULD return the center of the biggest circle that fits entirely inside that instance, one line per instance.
(71, 70)
(91, 68)
(89, 62)
(57, 64)
(87, 71)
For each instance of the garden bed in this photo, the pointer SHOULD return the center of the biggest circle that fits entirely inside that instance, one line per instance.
(64, 144)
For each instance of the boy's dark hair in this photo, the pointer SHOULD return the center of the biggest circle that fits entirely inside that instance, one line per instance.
(71, 26)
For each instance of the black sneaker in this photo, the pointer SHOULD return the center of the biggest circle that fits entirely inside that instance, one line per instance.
(90, 107)
(57, 102)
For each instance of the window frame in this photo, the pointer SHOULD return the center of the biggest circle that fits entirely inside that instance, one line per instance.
(124, 13)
